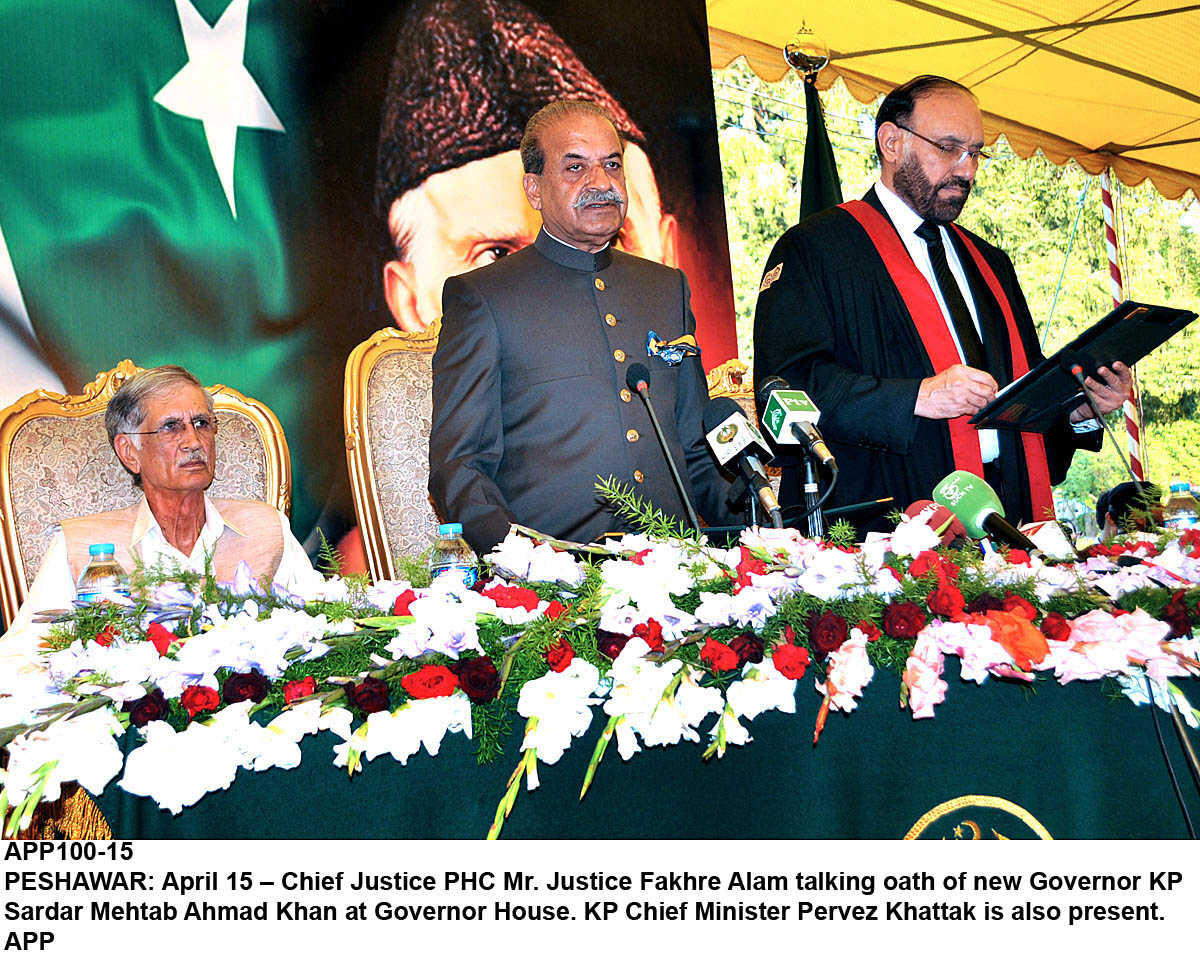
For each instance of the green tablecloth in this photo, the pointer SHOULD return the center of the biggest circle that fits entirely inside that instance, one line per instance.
(1071, 761)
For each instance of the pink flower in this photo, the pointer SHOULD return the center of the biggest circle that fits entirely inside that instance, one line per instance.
(849, 672)
(923, 677)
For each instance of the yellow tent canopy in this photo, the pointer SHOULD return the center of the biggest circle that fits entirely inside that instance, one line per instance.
(1108, 84)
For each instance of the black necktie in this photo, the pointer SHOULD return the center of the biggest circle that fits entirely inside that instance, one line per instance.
(968, 335)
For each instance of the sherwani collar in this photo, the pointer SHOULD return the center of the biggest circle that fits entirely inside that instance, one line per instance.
(559, 252)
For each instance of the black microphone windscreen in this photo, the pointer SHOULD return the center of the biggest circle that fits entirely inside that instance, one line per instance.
(717, 410)
(637, 375)
(768, 386)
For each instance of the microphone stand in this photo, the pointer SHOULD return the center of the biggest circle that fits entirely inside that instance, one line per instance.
(740, 490)
(644, 390)
(812, 500)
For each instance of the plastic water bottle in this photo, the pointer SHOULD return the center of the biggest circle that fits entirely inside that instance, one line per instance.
(1181, 511)
(452, 554)
(102, 574)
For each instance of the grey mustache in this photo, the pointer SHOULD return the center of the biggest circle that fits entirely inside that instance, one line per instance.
(587, 197)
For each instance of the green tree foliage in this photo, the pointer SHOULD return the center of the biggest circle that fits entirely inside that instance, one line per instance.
(1048, 218)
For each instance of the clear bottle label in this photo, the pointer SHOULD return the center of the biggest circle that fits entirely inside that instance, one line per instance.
(467, 571)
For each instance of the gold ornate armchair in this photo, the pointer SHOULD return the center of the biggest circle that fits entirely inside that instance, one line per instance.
(56, 462)
(733, 379)
(388, 413)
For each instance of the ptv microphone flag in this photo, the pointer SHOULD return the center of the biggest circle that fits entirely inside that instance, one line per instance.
(785, 408)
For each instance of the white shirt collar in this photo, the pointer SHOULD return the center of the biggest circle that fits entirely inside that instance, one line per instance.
(146, 531)
(903, 217)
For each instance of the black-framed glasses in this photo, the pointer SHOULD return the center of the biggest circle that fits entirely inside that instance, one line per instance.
(949, 151)
(175, 428)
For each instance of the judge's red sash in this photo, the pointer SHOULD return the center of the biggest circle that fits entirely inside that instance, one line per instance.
(935, 335)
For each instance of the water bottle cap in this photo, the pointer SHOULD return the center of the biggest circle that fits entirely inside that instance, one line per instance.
(99, 548)
(450, 529)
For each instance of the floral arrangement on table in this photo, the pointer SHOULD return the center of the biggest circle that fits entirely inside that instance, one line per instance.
(667, 639)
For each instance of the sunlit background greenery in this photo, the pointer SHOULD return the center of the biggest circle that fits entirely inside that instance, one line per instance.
(1048, 218)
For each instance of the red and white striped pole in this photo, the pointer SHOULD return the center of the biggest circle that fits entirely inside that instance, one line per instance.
(1133, 426)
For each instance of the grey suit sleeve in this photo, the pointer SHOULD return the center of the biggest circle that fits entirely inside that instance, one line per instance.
(466, 440)
(708, 485)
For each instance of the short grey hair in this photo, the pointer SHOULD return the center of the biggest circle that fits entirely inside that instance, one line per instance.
(533, 154)
(127, 409)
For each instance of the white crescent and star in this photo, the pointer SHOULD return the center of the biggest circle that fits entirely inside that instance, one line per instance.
(215, 87)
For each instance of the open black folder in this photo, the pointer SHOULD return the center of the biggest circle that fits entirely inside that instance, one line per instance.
(1035, 401)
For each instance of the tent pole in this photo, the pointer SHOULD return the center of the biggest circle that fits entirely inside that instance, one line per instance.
(1133, 406)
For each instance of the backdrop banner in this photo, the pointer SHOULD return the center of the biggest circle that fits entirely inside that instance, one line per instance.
(249, 188)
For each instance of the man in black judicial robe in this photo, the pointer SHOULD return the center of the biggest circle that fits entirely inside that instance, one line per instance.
(830, 320)
(530, 403)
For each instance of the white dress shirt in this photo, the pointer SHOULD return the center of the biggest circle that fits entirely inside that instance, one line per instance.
(907, 221)
(54, 587)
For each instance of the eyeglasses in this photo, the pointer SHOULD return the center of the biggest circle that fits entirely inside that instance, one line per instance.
(950, 151)
(205, 426)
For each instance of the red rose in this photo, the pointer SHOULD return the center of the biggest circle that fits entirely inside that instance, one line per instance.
(789, 633)
(555, 609)
(1056, 628)
(478, 678)
(790, 660)
(403, 601)
(1177, 616)
(903, 620)
(718, 655)
(429, 682)
(651, 631)
(927, 561)
(151, 707)
(610, 643)
(947, 601)
(827, 632)
(560, 655)
(370, 695)
(748, 566)
(199, 698)
(1018, 606)
(160, 637)
(749, 648)
(106, 635)
(1018, 557)
(985, 603)
(513, 597)
(240, 686)
(298, 689)
(869, 629)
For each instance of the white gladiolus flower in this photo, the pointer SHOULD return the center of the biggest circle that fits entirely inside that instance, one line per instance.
(562, 704)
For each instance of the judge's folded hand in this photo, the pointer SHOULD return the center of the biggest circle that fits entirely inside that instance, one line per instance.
(956, 391)
(1114, 386)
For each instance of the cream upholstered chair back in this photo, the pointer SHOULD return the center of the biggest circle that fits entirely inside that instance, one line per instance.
(56, 462)
(388, 412)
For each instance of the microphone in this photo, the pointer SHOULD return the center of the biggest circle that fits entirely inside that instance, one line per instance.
(790, 418)
(944, 522)
(637, 378)
(731, 436)
(978, 508)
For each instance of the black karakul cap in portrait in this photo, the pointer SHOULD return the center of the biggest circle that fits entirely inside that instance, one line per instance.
(466, 77)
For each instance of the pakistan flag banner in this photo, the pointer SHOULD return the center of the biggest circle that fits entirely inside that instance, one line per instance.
(155, 197)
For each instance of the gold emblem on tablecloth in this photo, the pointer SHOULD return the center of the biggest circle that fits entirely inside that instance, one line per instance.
(961, 818)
